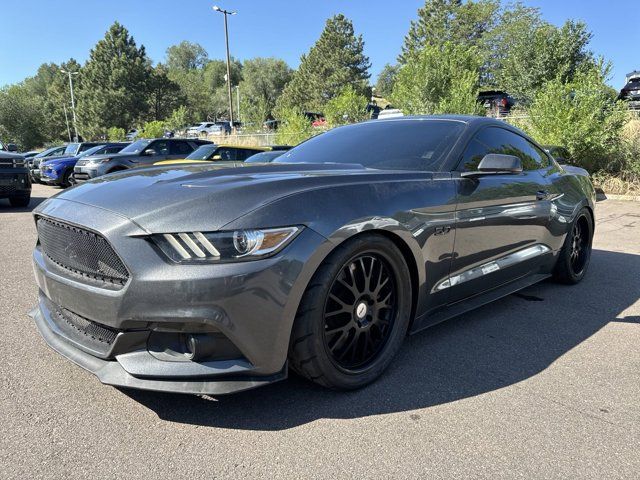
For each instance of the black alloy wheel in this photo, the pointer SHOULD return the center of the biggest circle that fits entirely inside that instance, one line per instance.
(575, 255)
(360, 311)
(579, 246)
(353, 315)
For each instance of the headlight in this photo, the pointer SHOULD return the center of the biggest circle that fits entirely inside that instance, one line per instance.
(232, 246)
(18, 162)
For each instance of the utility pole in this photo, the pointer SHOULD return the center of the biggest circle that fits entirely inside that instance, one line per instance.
(226, 36)
(73, 102)
(66, 119)
(238, 102)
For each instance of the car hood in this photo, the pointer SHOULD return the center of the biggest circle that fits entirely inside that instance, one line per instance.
(58, 160)
(92, 158)
(207, 197)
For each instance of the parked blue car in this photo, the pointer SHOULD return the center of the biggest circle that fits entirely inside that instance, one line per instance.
(59, 171)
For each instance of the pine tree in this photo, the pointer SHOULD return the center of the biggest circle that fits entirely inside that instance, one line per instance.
(336, 60)
(114, 88)
(441, 21)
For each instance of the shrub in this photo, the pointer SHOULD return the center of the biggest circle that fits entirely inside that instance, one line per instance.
(116, 134)
(583, 116)
(177, 120)
(348, 107)
(154, 129)
(294, 128)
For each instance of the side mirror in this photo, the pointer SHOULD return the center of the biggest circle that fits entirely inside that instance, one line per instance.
(149, 152)
(496, 164)
(12, 147)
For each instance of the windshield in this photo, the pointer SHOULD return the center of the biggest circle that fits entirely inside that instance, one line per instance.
(412, 144)
(202, 153)
(264, 157)
(48, 152)
(136, 147)
(71, 149)
(91, 151)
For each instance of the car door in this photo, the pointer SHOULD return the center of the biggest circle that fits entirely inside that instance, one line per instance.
(502, 221)
(156, 151)
(179, 149)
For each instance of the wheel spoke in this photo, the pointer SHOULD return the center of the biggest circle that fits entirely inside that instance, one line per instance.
(360, 310)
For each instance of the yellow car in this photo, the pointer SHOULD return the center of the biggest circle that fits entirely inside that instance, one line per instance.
(221, 153)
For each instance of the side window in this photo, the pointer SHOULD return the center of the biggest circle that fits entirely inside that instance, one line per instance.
(543, 161)
(161, 147)
(244, 154)
(474, 153)
(500, 140)
(227, 154)
(112, 149)
(84, 147)
(180, 148)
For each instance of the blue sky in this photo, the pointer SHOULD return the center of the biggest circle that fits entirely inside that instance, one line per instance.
(38, 31)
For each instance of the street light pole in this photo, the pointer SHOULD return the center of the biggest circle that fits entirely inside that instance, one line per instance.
(73, 102)
(238, 102)
(226, 36)
(66, 119)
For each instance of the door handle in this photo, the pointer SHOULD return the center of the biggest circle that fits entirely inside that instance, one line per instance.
(542, 195)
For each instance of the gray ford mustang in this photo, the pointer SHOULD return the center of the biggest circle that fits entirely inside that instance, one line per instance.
(219, 278)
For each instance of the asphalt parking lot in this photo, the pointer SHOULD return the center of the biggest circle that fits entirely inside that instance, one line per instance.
(542, 384)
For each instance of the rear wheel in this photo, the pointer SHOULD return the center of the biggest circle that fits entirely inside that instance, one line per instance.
(353, 315)
(575, 255)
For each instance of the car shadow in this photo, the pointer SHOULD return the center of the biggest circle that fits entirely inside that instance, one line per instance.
(5, 206)
(490, 348)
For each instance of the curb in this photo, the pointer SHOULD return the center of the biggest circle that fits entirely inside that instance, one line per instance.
(610, 196)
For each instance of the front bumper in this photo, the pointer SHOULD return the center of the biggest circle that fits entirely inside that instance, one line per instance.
(251, 304)
(113, 373)
(14, 183)
(50, 177)
(83, 173)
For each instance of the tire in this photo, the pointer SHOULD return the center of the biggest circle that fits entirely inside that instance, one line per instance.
(66, 179)
(340, 310)
(575, 254)
(20, 201)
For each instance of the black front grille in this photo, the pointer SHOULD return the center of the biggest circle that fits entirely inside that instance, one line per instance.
(81, 252)
(89, 336)
(7, 189)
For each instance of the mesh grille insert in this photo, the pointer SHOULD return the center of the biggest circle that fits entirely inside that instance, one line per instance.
(81, 251)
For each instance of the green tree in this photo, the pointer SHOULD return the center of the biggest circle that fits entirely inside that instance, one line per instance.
(348, 107)
(336, 60)
(263, 81)
(525, 51)
(582, 115)
(386, 80)
(113, 90)
(440, 79)
(186, 56)
(178, 119)
(21, 116)
(454, 21)
(165, 95)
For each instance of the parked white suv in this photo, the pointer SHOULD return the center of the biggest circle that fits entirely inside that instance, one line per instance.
(204, 128)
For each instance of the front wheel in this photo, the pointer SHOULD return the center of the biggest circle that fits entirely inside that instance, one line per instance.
(20, 201)
(575, 255)
(354, 314)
